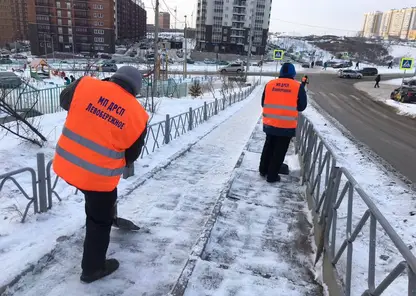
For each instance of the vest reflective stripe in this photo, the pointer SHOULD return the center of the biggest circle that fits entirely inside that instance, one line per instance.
(280, 117)
(279, 107)
(87, 165)
(92, 145)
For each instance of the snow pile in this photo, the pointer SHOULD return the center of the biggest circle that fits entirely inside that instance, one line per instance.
(394, 199)
(401, 51)
(382, 94)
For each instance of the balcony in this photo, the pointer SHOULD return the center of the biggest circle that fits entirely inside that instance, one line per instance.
(42, 3)
(42, 11)
(240, 3)
(81, 15)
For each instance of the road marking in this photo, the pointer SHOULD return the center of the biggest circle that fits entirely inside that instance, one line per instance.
(356, 98)
(344, 96)
(333, 95)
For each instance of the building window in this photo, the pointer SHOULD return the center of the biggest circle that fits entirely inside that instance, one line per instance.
(70, 39)
(98, 15)
(60, 30)
(61, 39)
(69, 13)
(99, 39)
(59, 13)
(58, 4)
(70, 31)
(224, 38)
(99, 32)
(59, 22)
(98, 6)
(68, 5)
(70, 23)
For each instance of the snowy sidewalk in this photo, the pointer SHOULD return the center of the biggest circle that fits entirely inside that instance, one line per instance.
(174, 205)
(260, 243)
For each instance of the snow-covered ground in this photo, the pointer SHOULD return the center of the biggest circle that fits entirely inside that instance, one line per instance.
(399, 51)
(25, 244)
(173, 202)
(382, 94)
(394, 199)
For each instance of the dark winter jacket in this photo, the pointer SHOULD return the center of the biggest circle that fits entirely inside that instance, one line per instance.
(286, 132)
(378, 78)
(132, 153)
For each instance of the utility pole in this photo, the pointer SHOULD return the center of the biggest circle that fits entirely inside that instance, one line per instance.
(250, 43)
(176, 9)
(186, 51)
(156, 49)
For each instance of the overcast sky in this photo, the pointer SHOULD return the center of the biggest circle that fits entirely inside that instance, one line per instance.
(300, 16)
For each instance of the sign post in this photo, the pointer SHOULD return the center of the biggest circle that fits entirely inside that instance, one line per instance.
(406, 64)
(278, 56)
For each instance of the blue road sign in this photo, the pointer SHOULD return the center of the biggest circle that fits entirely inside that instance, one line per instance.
(406, 63)
(278, 54)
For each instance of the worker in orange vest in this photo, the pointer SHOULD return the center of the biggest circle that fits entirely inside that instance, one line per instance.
(282, 99)
(104, 131)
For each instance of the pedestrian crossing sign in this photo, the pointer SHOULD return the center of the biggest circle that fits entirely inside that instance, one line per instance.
(407, 63)
(278, 54)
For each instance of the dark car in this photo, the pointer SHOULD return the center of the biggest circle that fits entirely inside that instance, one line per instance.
(190, 61)
(9, 80)
(105, 56)
(410, 82)
(319, 63)
(369, 71)
(6, 61)
(404, 94)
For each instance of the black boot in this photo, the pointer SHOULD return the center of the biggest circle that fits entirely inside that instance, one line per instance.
(111, 265)
(273, 180)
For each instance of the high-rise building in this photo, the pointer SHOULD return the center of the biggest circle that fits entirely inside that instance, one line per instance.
(372, 24)
(395, 23)
(131, 19)
(227, 25)
(164, 20)
(83, 25)
(13, 21)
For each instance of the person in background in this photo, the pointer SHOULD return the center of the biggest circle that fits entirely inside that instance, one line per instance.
(357, 65)
(390, 65)
(283, 98)
(378, 79)
(325, 65)
(72, 78)
(67, 81)
(91, 157)
(305, 81)
(312, 64)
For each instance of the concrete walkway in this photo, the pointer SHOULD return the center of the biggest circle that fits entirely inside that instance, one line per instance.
(260, 243)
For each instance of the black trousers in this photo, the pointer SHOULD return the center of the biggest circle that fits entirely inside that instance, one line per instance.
(273, 155)
(99, 208)
(377, 84)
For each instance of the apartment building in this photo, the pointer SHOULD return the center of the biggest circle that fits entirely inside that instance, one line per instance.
(227, 25)
(13, 21)
(131, 18)
(164, 20)
(372, 24)
(395, 23)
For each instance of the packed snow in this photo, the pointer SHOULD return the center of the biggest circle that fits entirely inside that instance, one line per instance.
(401, 51)
(24, 244)
(394, 199)
(382, 94)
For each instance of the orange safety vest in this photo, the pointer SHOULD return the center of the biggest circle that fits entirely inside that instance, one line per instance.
(280, 103)
(103, 121)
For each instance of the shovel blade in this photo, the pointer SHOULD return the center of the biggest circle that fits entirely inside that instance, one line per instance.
(125, 224)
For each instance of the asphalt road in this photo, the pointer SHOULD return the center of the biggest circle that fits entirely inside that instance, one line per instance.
(391, 136)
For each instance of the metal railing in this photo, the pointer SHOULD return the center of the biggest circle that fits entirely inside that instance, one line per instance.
(44, 181)
(328, 186)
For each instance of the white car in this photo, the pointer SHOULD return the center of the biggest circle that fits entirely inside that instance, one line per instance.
(350, 74)
(232, 68)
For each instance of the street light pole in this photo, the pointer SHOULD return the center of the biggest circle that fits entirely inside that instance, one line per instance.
(250, 43)
(156, 48)
(186, 52)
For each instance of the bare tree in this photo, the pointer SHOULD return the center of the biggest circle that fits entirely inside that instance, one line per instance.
(18, 113)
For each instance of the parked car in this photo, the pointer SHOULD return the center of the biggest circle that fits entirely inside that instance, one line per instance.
(223, 63)
(210, 62)
(5, 61)
(9, 80)
(410, 82)
(105, 56)
(319, 63)
(342, 65)
(350, 74)
(19, 56)
(233, 67)
(109, 67)
(306, 65)
(404, 94)
(369, 71)
(190, 61)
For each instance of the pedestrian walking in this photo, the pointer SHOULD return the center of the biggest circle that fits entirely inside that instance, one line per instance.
(72, 78)
(312, 64)
(357, 65)
(325, 66)
(67, 81)
(378, 79)
(92, 156)
(390, 65)
(282, 99)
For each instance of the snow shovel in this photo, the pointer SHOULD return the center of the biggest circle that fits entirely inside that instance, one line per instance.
(123, 224)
